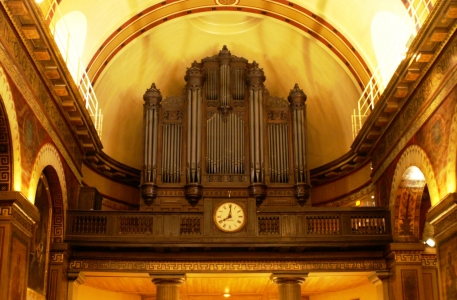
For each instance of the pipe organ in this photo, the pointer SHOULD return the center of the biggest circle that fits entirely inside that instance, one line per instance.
(224, 131)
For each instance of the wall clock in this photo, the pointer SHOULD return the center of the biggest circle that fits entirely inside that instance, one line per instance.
(229, 217)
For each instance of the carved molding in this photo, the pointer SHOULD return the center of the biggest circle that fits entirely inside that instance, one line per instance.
(226, 266)
(445, 222)
(399, 134)
(429, 260)
(24, 223)
(41, 103)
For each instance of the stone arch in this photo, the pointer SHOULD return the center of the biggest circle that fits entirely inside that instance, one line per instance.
(57, 222)
(410, 197)
(451, 166)
(48, 161)
(414, 156)
(12, 133)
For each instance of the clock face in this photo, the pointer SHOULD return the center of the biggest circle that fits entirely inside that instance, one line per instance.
(229, 217)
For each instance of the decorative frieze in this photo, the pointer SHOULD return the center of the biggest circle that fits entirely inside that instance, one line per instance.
(227, 266)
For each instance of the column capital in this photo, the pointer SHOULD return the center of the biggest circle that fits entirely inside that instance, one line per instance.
(167, 279)
(288, 278)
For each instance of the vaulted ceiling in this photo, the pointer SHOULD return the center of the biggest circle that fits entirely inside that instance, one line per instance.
(328, 47)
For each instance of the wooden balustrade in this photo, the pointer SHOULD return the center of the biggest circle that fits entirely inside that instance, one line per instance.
(135, 225)
(190, 225)
(87, 224)
(312, 228)
(323, 225)
(269, 225)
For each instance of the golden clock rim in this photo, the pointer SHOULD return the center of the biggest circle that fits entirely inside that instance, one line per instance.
(229, 202)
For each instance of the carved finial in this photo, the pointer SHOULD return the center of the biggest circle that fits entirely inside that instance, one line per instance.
(152, 95)
(296, 88)
(224, 53)
(255, 64)
(194, 64)
(153, 88)
(296, 96)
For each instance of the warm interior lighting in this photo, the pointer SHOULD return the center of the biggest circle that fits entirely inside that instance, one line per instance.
(357, 203)
(38, 1)
(226, 295)
(430, 242)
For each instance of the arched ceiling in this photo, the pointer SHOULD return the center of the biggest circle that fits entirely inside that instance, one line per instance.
(326, 46)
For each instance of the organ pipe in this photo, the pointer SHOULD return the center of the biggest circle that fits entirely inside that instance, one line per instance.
(152, 98)
(255, 79)
(297, 99)
(194, 78)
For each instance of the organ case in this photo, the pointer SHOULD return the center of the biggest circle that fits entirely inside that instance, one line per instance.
(224, 131)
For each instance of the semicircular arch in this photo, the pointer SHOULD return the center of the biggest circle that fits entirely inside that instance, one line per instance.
(47, 156)
(10, 110)
(414, 156)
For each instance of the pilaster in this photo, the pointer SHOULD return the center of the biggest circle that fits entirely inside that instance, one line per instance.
(17, 225)
(58, 279)
(404, 262)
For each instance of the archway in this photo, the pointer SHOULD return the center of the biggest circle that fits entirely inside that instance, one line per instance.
(407, 224)
(413, 182)
(10, 147)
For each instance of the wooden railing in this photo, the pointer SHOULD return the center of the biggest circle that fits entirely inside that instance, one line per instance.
(334, 227)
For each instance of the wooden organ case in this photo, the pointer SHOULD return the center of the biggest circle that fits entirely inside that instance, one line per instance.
(225, 132)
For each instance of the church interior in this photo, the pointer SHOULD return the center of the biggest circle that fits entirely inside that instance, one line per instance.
(228, 149)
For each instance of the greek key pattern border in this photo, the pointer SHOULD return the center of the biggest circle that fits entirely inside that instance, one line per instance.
(226, 266)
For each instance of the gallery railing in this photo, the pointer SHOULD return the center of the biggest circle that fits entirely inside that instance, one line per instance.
(415, 15)
(335, 227)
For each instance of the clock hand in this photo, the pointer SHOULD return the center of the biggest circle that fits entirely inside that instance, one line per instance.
(230, 212)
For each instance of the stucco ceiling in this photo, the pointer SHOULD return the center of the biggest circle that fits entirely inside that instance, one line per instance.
(326, 46)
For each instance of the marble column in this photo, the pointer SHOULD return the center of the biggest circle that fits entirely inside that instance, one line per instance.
(167, 285)
(289, 285)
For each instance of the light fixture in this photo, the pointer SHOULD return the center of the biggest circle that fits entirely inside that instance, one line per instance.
(38, 1)
(226, 295)
(430, 242)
